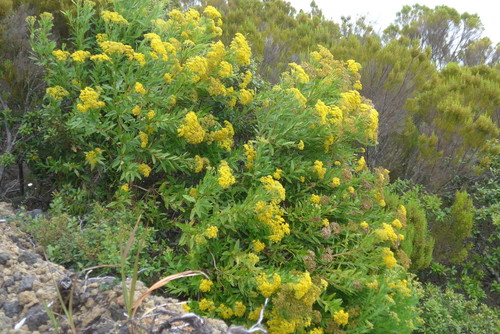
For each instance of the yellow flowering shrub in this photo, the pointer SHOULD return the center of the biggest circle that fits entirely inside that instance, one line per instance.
(261, 188)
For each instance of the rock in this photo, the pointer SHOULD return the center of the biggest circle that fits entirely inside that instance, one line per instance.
(5, 322)
(28, 258)
(8, 282)
(36, 317)
(4, 257)
(26, 283)
(27, 298)
(12, 309)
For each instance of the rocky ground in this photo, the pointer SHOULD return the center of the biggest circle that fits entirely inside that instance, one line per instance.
(31, 289)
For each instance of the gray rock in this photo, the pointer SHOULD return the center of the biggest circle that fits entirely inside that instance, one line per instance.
(5, 322)
(12, 309)
(8, 282)
(28, 258)
(36, 317)
(4, 257)
(17, 276)
(26, 283)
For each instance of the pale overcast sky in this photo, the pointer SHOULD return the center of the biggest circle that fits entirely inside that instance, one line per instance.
(384, 12)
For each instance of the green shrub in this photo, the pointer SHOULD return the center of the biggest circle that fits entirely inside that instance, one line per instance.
(265, 190)
(450, 312)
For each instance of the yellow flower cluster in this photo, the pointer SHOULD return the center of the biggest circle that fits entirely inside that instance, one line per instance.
(303, 286)
(336, 182)
(300, 145)
(258, 246)
(80, 56)
(364, 225)
(136, 111)
(329, 140)
(139, 88)
(100, 57)
(353, 66)
(239, 309)
(361, 164)
(246, 79)
(388, 258)
(224, 136)
(200, 163)
(60, 55)
(225, 311)
(101, 38)
(57, 92)
(253, 258)
(319, 169)
(271, 215)
(397, 224)
(110, 48)
(139, 57)
(125, 187)
(277, 174)
(301, 99)
(215, 54)
(315, 199)
(192, 130)
(250, 154)
(372, 127)
(206, 305)
(328, 115)
(144, 170)
(401, 286)
(212, 12)
(386, 233)
(113, 17)
(89, 97)
(341, 317)
(92, 157)
(144, 139)
(225, 70)
(206, 285)
(274, 187)
(241, 50)
(265, 287)
(357, 85)
(298, 73)
(212, 232)
(198, 66)
(246, 96)
(316, 331)
(350, 100)
(226, 178)
(216, 88)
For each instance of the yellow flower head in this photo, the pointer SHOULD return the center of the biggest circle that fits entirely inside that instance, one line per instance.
(80, 56)
(388, 258)
(258, 246)
(60, 55)
(206, 305)
(139, 88)
(241, 50)
(212, 232)
(192, 130)
(239, 309)
(144, 170)
(299, 73)
(336, 182)
(315, 199)
(341, 317)
(57, 92)
(206, 285)
(226, 178)
(397, 224)
(246, 96)
(212, 12)
(265, 287)
(300, 145)
(319, 169)
(113, 17)
(89, 97)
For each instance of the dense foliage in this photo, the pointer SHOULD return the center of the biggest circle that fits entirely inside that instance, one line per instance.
(247, 145)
